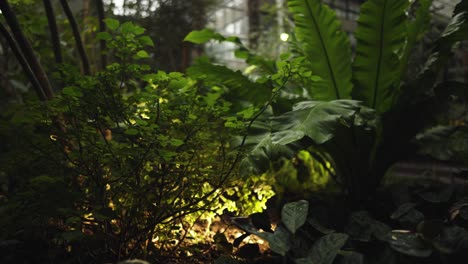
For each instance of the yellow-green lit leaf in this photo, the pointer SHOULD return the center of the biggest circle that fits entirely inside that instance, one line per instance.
(111, 23)
(146, 41)
(203, 36)
(142, 54)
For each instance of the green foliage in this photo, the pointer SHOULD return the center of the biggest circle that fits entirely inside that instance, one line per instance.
(381, 37)
(113, 166)
(326, 47)
(203, 36)
(355, 142)
(238, 86)
(298, 246)
(306, 235)
(317, 120)
(360, 140)
(294, 215)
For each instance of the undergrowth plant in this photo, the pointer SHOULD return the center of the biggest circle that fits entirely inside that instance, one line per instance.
(118, 165)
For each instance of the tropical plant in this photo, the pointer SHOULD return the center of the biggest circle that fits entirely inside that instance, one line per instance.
(360, 113)
(367, 113)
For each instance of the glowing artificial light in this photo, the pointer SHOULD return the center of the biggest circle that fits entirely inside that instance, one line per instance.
(284, 36)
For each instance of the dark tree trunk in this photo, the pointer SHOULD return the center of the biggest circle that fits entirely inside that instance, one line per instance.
(76, 34)
(253, 9)
(27, 51)
(53, 31)
(22, 61)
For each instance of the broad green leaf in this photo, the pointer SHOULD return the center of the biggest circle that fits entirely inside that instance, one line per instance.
(111, 23)
(280, 241)
(128, 27)
(203, 36)
(261, 150)
(408, 243)
(317, 120)
(456, 30)
(138, 30)
(380, 36)
(318, 226)
(146, 41)
(363, 227)
(294, 215)
(142, 54)
(104, 36)
(326, 46)
(324, 251)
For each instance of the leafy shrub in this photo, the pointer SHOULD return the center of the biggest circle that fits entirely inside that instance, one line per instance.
(110, 168)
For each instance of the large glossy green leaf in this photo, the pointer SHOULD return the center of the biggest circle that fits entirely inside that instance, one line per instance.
(314, 119)
(456, 30)
(262, 151)
(326, 46)
(294, 215)
(380, 35)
